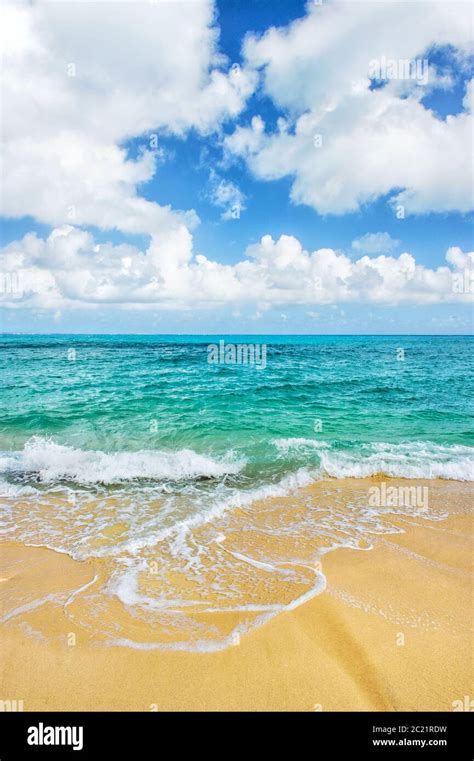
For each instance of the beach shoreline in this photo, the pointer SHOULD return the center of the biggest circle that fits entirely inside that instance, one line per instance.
(391, 632)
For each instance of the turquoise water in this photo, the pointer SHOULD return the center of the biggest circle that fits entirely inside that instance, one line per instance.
(145, 433)
(132, 393)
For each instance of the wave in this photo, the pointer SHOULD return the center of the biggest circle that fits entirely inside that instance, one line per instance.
(407, 460)
(45, 461)
(52, 462)
(14, 490)
(411, 459)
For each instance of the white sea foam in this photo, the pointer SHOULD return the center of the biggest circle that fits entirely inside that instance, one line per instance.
(406, 460)
(14, 490)
(412, 459)
(212, 645)
(284, 445)
(228, 500)
(52, 462)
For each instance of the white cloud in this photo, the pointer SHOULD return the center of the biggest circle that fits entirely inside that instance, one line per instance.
(345, 145)
(69, 269)
(375, 243)
(226, 195)
(80, 79)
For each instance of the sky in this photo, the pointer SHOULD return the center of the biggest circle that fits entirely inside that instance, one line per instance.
(239, 166)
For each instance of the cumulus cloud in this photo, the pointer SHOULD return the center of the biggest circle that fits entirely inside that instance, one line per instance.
(69, 269)
(345, 143)
(79, 80)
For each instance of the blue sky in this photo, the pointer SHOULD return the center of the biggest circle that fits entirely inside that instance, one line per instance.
(201, 167)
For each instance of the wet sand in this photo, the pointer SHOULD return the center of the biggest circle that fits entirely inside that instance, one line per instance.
(392, 631)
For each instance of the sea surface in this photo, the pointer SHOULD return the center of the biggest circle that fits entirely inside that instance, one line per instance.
(140, 453)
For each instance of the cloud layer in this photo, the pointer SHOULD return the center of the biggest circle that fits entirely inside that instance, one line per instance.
(70, 269)
(80, 80)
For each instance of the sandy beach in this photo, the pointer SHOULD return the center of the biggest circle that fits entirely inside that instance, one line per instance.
(391, 632)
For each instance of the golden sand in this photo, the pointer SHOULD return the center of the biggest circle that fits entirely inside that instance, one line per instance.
(392, 631)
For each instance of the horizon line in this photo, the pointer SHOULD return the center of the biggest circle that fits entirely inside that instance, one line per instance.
(289, 335)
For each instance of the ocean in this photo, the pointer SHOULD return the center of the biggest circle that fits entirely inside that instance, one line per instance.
(183, 472)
